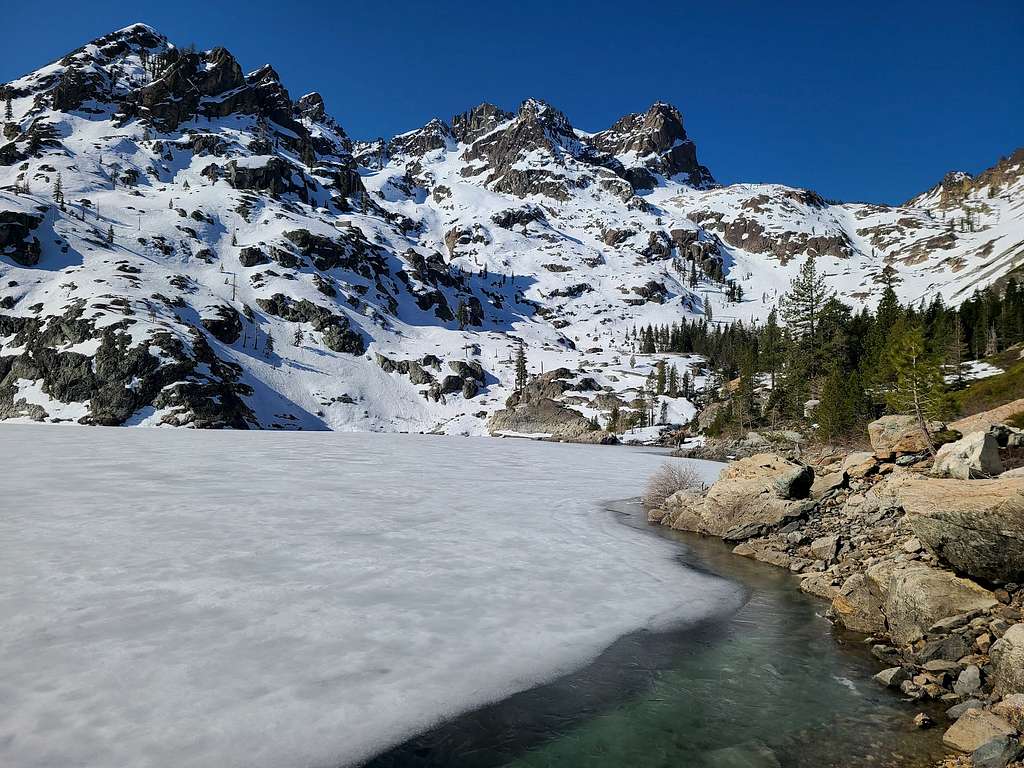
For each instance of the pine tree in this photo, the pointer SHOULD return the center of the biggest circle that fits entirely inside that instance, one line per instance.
(919, 389)
(298, 338)
(522, 376)
(890, 277)
(641, 406)
(8, 112)
(58, 191)
(992, 341)
(836, 412)
(802, 307)
(268, 346)
(879, 372)
(673, 381)
(955, 350)
(660, 376)
(771, 346)
(745, 405)
(110, 235)
(613, 419)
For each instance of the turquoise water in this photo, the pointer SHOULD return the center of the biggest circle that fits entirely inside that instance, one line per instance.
(772, 685)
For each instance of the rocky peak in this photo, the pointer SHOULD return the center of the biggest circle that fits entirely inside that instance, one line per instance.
(370, 154)
(555, 124)
(133, 38)
(434, 135)
(957, 186)
(311, 106)
(655, 140)
(182, 78)
(481, 119)
(1008, 171)
(522, 157)
(265, 74)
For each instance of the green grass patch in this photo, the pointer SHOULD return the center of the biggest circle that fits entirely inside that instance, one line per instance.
(992, 392)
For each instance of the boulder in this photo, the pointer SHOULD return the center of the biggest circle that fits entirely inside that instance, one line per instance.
(683, 510)
(1011, 709)
(974, 455)
(819, 585)
(859, 464)
(544, 416)
(976, 526)
(968, 682)
(223, 322)
(417, 375)
(824, 484)
(467, 370)
(770, 552)
(794, 483)
(892, 677)
(708, 414)
(251, 256)
(858, 606)
(892, 436)
(451, 384)
(756, 494)
(974, 728)
(917, 595)
(956, 712)
(825, 547)
(998, 752)
(1008, 662)
(954, 646)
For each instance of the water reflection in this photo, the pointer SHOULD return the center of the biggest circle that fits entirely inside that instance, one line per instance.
(767, 686)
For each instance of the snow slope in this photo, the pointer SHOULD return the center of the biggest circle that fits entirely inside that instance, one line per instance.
(257, 599)
(206, 213)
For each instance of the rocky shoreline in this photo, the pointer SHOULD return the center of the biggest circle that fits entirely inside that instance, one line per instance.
(922, 554)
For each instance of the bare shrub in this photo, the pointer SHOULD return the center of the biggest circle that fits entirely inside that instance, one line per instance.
(669, 478)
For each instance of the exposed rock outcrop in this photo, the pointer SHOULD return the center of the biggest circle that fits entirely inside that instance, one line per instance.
(977, 526)
(892, 436)
(17, 241)
(751, 496)
(974, 455)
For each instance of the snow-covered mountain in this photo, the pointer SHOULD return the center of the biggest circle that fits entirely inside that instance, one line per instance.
(183, 243)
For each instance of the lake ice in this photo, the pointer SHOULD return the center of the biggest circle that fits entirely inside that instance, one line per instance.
(172, 597)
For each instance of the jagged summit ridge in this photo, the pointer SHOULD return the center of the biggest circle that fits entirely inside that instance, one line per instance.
(183, 243)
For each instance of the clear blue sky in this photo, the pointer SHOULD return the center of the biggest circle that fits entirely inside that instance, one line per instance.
(871, 101)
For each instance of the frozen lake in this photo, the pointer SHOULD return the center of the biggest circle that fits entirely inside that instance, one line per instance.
(292, 599)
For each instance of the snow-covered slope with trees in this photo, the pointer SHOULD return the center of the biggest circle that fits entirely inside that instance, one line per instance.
(182, 243)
